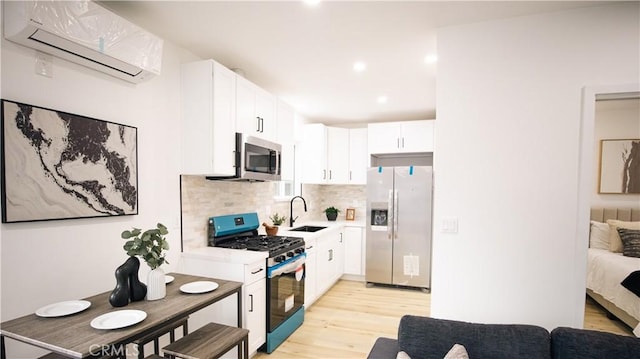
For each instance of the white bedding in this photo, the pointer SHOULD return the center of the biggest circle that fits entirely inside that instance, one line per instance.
(605, 271)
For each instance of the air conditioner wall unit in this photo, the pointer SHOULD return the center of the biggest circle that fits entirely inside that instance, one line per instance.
(85, 33)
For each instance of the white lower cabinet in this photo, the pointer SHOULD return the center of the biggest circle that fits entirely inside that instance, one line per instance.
(326, 265)
(254, 301)
(354, 251)
(311, 272)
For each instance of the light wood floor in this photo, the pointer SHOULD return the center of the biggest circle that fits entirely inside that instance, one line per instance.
(345, 322)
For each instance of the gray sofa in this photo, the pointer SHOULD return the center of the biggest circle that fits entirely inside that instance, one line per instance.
(426, 338)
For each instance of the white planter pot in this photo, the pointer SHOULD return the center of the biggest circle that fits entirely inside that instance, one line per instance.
(156, 286)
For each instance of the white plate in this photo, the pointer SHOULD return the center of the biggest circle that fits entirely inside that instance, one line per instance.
(63, 308)
(168, 279)
(118, 319)
(199, 287)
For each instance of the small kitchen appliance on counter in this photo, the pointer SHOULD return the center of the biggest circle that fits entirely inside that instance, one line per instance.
(285, 270)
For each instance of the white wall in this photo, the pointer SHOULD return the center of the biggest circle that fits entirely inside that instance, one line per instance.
(508, 148)
(46, 262)
(614, 119)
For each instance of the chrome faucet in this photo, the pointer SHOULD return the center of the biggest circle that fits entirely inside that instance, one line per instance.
(291, 219)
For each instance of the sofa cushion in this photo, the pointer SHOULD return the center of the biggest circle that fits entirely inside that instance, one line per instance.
(426, 338)
(572, 343)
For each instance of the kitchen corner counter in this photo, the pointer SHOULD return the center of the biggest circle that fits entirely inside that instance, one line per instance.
(226, 255)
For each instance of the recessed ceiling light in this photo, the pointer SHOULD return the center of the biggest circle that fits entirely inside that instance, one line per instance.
(382, 99)
(431, 59)
(359, 66)
(311, 2)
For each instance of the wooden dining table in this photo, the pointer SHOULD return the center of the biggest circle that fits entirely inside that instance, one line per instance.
(73, 336)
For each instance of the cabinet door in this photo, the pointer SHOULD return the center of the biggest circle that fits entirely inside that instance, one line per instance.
(337, 155)
(266, 111)
(311, 273)
(208, 118)
(338, 253)
(358, 161)
(417, 136)
(314, 154)
(383, 137)
(285, 123)
(255, 302)
(353, 251)
(246, 120)
(326, 263)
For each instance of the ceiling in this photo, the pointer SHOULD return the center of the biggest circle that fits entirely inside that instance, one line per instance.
(305, 54)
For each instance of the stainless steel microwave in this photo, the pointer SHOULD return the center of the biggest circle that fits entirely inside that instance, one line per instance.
(256, 159)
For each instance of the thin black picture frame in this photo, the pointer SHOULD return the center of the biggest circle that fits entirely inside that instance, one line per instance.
(57, 165)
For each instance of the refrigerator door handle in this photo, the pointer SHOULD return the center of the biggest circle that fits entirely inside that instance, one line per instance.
(390, 214)
(395, 214)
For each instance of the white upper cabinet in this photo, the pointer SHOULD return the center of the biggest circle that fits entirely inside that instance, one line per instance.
(337, 155)
(285, 115)
(255, 110)
(325, 154)
(314, 154)
(401, 137)
(358, 160)
(208, 123)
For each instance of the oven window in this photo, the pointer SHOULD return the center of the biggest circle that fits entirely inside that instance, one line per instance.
(261, 160)
(286, 296)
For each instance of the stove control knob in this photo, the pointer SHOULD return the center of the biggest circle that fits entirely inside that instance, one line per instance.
(279, 259)
(299, 250)
(289, 254)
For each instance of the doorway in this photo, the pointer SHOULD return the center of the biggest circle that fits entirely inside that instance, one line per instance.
(594, 101)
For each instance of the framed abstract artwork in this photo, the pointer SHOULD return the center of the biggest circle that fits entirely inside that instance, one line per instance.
(57, 165)
(619, 166)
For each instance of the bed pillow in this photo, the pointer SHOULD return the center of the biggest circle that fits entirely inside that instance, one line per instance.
(599, 235)
(615, 243)
(630, 242)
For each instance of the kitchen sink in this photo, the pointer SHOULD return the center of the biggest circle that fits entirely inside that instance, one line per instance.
(307, 229)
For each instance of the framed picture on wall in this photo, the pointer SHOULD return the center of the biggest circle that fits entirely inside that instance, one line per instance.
(57, 165)
(351, 214)
(619, 166)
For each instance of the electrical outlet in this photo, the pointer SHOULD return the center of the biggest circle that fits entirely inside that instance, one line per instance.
(44, 64)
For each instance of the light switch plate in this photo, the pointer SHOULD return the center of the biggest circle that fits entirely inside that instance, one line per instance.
(450, 225)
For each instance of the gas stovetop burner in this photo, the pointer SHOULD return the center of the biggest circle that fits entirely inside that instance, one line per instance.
(261, 243)
(240, 232)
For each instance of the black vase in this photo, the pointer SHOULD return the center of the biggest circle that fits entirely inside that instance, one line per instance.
(128, 286)
(332, 216)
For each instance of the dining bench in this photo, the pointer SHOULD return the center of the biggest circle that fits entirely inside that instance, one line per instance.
(210, 342)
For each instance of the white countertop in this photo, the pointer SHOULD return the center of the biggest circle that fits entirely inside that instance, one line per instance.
(226, 255)
(248, 257)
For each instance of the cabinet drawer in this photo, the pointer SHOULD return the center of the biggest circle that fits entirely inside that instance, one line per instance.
(255, 271)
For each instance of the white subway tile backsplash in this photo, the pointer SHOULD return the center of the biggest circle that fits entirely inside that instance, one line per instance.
(202, 198)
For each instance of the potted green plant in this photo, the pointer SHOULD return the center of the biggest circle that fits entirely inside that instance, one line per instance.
(332, 213)
(277, 219)
(151, 245)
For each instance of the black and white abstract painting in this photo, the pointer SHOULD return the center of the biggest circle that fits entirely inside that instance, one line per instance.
(57, 165)
(620, 166)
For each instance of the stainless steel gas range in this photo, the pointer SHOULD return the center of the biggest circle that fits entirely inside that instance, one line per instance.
(285, 270)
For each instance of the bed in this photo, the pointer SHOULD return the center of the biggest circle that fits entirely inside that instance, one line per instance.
(606, 270)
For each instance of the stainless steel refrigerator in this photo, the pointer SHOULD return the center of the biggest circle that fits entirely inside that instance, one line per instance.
(399, 201)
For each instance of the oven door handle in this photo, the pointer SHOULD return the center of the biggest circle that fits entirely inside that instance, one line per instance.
(287, 268)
